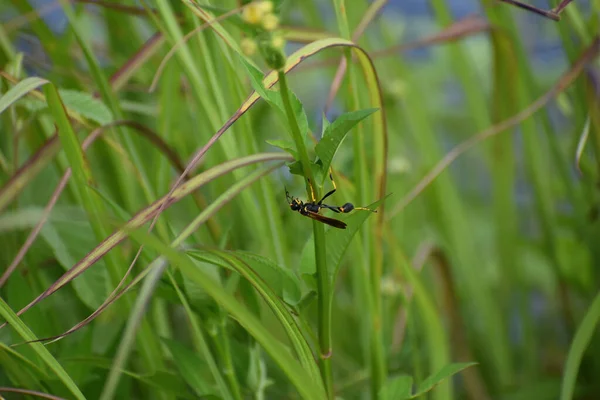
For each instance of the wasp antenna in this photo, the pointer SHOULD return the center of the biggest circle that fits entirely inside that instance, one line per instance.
(365, 208)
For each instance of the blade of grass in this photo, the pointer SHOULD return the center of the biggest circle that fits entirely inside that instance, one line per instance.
(580, 342)
(136, 315)
(7, 313)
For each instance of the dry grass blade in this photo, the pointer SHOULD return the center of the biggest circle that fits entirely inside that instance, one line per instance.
(25, 392)
(565, 81)
(468, 26)
(122, 75)
(553, 14)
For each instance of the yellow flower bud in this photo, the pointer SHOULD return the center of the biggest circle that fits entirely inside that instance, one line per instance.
(278, 42)
(270, 22)
(252, 14)
(265, 6)
(248, 46)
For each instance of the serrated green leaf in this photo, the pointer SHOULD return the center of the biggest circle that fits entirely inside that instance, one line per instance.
(285, 145)
(444, 373)
(398, 388)
(19, 90)
(334, 134)
(86, 105)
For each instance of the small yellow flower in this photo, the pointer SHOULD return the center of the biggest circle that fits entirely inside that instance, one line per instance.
(278, 42)
(389, 287)
(254, 13)
(265, 6)
(248, 46)
(270, 22)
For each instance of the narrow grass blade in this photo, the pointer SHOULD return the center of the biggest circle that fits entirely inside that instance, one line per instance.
(581, 341)
(127, 342)
(39, 349)
(19, 90)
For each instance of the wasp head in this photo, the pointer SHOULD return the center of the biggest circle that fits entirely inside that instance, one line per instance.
(294, 203)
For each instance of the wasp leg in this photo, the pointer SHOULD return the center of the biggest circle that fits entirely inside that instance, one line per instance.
(346, 208)
(365, 208)
(332, 191)
(334, 186)
(331, 177)
(332, 208)
(313, 198)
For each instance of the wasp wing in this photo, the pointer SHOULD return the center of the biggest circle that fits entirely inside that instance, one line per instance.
(326, 220)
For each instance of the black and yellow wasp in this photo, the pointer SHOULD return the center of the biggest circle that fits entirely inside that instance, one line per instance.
(311, 209)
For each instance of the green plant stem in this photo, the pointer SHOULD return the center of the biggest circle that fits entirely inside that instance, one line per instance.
(324, 298)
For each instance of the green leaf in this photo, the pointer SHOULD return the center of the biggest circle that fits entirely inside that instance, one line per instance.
(285, 145)
(256, 80)
(82, 176)
(86, 105)
(400, 387)
(334, 134)
(20, 219)
(282, 281)
(191, 367)
(397, 388)
(70, 241)
(288, 283)
(19, 90)
(444, 373)
(296, 169)
(581, 340)
(325, 123)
